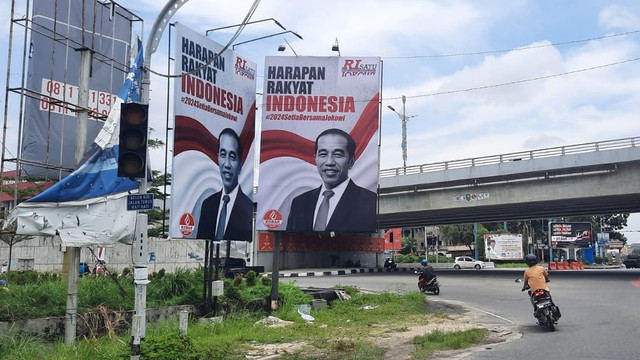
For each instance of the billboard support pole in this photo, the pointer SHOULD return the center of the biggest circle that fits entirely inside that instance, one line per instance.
(475, 240)
(207, 276)
(275, 271)
(549, 239)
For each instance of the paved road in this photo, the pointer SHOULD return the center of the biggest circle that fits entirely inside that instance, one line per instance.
(600, 309)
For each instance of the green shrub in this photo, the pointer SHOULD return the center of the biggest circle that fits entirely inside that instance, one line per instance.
(182, 287)
(37, 300)
(98, 291)
(409, 258)
(231, 292)
(28, 277)
(168, 346)
(250, 278)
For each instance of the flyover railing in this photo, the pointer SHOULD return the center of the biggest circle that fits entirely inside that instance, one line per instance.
(515, 156)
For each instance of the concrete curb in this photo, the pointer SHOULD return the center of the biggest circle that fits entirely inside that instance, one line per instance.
(403, 268)
(344, 272)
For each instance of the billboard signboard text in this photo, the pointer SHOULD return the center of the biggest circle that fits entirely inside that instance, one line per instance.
(319, 144)
(570, 232)
(49, 136)
(503, 246)
(212, 175)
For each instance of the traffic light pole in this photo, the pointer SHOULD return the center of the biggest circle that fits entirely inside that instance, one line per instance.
(140, 249)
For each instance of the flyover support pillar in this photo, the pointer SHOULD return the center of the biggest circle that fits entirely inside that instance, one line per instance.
(475, 240)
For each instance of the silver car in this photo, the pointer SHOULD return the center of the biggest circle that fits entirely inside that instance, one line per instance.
(467, 262)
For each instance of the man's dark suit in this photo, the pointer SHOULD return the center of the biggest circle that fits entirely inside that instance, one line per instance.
(355, 212)
(239, 226)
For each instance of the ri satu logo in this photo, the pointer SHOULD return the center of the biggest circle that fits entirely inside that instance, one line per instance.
(242, 69)
(351, 64)
(241, 63)
(353, 67)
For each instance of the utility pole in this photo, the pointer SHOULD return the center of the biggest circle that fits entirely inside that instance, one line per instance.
(404, 118)
(72, 254)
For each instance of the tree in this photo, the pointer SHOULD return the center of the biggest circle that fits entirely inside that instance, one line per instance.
(610, 223)
(460, 234)
(158, 216)
(408, 245)
(10, 238)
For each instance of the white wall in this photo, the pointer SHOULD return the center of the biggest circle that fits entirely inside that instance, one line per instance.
(47, 255)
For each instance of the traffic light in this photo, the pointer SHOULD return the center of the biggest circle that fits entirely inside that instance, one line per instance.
(391, 236)
(132, 155)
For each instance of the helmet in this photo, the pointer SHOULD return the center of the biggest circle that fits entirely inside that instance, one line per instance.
(531, 259)
(424, 262)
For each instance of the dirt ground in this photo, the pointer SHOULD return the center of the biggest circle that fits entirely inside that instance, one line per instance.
(399, 344)
(459, 319)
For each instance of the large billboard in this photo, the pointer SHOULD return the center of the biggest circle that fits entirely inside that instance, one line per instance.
(503, 247)
(319, 144)
(59, 29)
(213, 152)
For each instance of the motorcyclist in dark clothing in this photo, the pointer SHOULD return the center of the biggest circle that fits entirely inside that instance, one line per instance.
(428, 273)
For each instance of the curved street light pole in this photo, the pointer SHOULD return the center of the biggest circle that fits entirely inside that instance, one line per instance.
(206, 33)
(404, 118)
(267, 36)
(140, 248)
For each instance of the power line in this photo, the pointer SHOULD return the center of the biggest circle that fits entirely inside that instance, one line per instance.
(503, 84)
(512, 49)
(520, 81)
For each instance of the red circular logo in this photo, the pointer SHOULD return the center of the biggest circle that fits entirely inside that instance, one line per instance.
(272, 219)
(187, 224)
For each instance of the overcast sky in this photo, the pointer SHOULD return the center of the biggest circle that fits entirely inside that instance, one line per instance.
(451, 59)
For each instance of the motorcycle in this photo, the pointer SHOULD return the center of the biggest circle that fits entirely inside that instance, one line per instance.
(546, 312)
(389, 263)
(432, 286)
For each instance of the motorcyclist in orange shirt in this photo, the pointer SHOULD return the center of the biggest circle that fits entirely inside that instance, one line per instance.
(536, 277)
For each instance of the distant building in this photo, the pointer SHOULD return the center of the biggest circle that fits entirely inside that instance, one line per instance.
(26, 189)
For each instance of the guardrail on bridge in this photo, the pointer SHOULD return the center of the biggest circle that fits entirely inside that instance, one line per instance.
(516, 156)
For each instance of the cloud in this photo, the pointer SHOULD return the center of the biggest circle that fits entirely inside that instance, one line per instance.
(618, 17)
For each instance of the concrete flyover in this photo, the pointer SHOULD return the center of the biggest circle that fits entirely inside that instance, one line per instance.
(583, 179)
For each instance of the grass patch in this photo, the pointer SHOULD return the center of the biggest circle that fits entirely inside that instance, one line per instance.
(510, 265)
(439, 340)
(355, 328)
(441, 315)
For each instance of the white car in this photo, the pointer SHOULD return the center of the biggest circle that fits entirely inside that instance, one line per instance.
(467, 262)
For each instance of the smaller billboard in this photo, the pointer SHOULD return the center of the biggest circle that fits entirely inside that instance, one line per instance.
(570, 232)
(503, 247)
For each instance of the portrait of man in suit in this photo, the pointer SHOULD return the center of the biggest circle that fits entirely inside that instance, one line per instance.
(227, 214)
(338, 204)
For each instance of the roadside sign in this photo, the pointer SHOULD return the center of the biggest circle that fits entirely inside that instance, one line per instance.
(139, 202)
